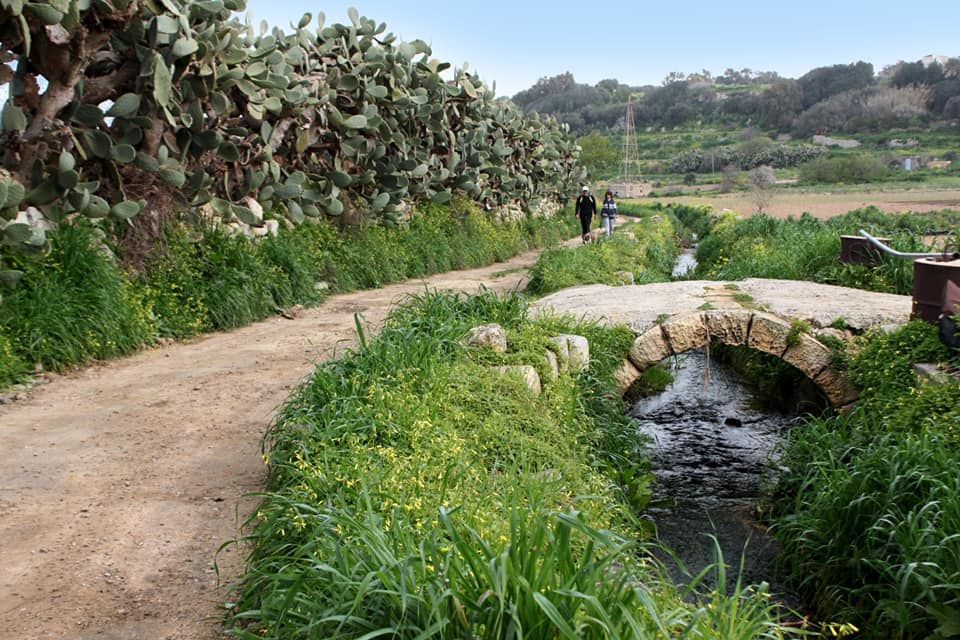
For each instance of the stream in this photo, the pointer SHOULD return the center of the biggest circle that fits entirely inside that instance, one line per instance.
(685, 264)
(711, 447)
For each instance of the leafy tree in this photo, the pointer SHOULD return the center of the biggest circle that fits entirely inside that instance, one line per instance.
(742, 104)
(941, 93)
(780, 104)
(598, 156)
(952, 108)
(875, 108)
(909, 73)
(823, 82)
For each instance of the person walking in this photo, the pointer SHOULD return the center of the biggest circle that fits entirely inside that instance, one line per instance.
(608, 213)
(585, 209)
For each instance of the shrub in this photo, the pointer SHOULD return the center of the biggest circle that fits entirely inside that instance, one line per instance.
(846, 168)
(747, 156)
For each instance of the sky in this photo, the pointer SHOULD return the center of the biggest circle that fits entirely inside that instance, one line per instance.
(638, 43)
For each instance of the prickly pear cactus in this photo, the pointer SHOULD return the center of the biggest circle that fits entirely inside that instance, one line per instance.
(180, 94)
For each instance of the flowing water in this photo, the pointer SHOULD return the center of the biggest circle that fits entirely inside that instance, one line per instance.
(686, 262)
(711, 450)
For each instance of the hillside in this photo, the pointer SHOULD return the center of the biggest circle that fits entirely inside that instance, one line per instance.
(841, 98)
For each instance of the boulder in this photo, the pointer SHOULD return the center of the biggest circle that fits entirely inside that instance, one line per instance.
(572, 351)
(579, 353)
(553, 366)
(488, 336)
(560, 347)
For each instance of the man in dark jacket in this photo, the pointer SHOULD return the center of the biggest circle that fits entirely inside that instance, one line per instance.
(585, 209)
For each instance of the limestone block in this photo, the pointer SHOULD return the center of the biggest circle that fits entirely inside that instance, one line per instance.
(625, 376)
(837, 388)
(579, 350)
(686, 332)
(255, 207)
(560, 347)
(768, 333)
(553, 366)
(728, 327)
(572, 351)
(649, 349)
(838, 334)
(624, 277)
(809, 355)
(488, 336)
(526, 373)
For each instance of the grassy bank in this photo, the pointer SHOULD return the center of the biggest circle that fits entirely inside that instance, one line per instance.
(867, 510)
(76, 305)
(416, 493)
(809, 249)
(646, 248)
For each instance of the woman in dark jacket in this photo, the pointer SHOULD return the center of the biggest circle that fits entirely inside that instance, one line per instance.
(585, 209)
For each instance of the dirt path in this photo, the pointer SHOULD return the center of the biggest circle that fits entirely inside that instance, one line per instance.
(119, 482)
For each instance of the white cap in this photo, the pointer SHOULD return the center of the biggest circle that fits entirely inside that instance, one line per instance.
(585, 189)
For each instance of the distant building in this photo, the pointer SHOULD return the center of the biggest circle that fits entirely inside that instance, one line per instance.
(929, 60)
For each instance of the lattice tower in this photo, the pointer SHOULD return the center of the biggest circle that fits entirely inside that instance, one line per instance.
(630, 163)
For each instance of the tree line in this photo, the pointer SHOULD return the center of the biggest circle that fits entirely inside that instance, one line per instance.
(841, 98)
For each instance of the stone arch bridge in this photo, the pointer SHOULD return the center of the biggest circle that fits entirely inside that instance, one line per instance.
(676, 317)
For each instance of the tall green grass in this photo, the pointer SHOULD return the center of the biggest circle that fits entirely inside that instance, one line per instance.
(417, 494)
(13, 368)
(809, 249)
(72, 306)
(867, 510)
(76, 304)
(649, 256)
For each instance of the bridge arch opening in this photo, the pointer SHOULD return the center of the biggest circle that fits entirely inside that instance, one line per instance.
(757, 330)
